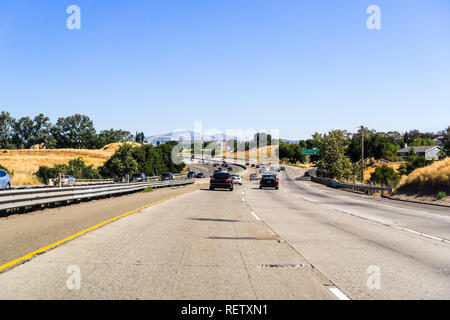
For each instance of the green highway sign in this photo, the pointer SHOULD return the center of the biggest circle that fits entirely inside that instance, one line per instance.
(310, 152)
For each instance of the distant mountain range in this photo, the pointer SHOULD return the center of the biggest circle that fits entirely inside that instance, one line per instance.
(187, 136)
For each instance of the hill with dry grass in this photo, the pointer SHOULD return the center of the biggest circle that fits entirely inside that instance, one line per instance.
(24, 163)
(428, 180)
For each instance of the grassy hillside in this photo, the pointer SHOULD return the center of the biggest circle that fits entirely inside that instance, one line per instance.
(428, 180)
(24, 163)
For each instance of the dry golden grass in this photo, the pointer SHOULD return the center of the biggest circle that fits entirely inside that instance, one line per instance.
(24, 163)
(256, 154)
(370, 169)
(435, 177)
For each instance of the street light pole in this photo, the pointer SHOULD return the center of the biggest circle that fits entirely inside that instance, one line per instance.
(362, 154)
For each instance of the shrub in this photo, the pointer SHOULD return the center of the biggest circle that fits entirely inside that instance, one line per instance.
(385, 176)
(441, 195)
(76, 168)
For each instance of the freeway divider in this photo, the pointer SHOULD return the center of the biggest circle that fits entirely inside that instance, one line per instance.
(14, 199)
(349, 186)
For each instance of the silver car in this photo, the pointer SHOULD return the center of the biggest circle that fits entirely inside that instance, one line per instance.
(5, 180)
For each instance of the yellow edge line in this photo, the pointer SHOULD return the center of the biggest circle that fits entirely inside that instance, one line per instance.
(50, 246)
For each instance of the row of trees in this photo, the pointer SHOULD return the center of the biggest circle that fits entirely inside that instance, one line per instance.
(377, 145)
(340, 154)
(76, 131)
(127, 159)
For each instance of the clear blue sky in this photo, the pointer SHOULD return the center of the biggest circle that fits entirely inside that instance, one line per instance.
(299, 66)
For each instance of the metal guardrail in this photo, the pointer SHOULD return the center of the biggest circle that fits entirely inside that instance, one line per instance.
(356, 187)
(33, 197)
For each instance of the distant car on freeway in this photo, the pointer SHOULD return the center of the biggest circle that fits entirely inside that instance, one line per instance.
(191, 174)
(253, 176)
(5, 180)
(258, 166)
(268, 181)
(221, 180)
(253, 165)
(167, 176)
(200, 175)
(237, 179)
(66, 180)
(138, 177)
(282, 168)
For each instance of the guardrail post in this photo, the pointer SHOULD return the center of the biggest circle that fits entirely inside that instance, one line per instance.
(59, 180)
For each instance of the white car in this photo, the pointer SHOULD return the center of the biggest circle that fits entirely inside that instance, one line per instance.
(237, 179)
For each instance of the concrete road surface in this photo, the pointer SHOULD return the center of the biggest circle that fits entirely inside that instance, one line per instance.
(303, 241)
(203, 245)
(371, 248)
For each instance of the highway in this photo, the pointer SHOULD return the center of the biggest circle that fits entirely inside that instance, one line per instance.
(303, 241)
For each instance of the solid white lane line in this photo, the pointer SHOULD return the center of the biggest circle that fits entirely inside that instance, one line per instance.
(256, 217)
(339, 294)
(421, 234)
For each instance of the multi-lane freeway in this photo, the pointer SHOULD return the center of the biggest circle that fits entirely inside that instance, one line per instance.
(303, 241)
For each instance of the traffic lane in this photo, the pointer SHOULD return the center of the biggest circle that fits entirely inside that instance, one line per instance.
(204, 245)
(426, 219)
(344, 248)
(21, 234)
(322, 190)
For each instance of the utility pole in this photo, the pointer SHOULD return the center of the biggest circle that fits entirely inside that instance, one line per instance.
(362, 154)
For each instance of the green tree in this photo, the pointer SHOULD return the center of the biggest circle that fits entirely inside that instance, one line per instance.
(140, 137)
(333, 162)
(75, 131)
(6, 125)
(106, 137)
(41, 131)
(22, 133)
(122, 162)
(385, 176)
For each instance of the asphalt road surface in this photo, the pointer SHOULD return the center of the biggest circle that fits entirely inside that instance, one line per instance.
(303, 241)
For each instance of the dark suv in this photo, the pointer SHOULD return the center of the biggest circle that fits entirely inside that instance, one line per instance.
(167, 176)
(191, 174)
(138, 177)
(221, 180)
(268, 181)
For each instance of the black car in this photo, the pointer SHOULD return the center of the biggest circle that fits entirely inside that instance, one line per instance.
(138, 177)
(221, 180)
(191, 174)
(268, 181)
(167, 176)
(200, 175)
